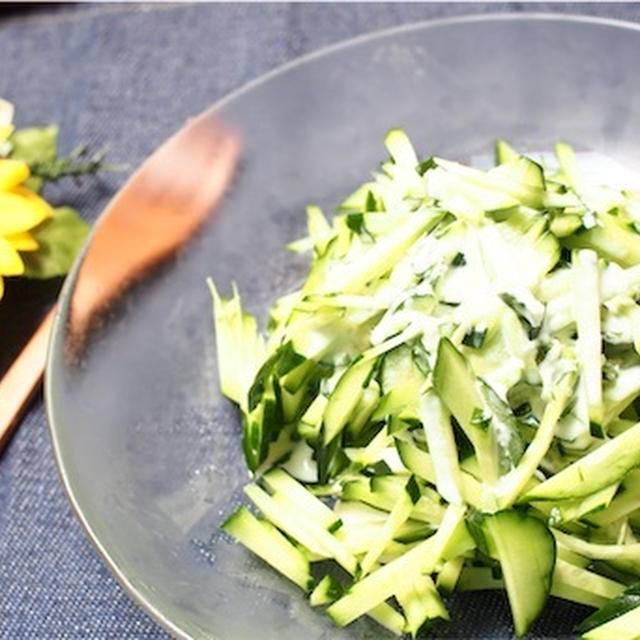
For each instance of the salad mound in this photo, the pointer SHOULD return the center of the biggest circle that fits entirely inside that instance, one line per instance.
(449, 401)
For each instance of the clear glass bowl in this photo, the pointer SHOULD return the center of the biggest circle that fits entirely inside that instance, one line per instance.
(148, 450)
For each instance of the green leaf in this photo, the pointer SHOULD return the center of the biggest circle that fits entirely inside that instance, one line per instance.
(355, 222)
(474, 338)
(34, 145)
(75, 165)
(59, 239)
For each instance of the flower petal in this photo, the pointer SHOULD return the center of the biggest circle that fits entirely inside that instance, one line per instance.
(22, 241)
(10, 261)
(6, 112)
(12, 173)
(5, 131)
(21, 210)
(1, 287)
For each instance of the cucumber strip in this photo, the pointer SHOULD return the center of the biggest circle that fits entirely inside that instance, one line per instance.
(329, 589)
(373, 452)
(239, 347)
(397, 517)
(358, 540)
(292, 492)
(522, 171)
(320, 231)
(278, 450)
(386, 616)
(345, 397)
(401, 338)
(576, 593)
(424, 510)
(619, 425)
(420, 601)
(479, 579)
(583, 586)
(619, 394)
(609, 240)
(613, 282)
(564, 225)
(565, 511)
(266, 541)
(400, 148)
(362, 537)
(504, 152)
(413, 531)
(586, 287)
(606, 465)
(514, 192)
(396, 550)
(455, 384)
(326, 591)
(510, 486)
(357, 201)
(466, 201)
(568, 164)
(263, 425)
(436, 421)
(526, 551)
(421, 464)
(613, 610)
(382, 256)
(623, 556)
(416, 460)
(625, 534)
(572, 557)
(623, 505)
(461, 543)
(367, 404)
(384, 582)
(313, 302)
(311, 420)
(300, 527)
(623, 627)
(449, 575)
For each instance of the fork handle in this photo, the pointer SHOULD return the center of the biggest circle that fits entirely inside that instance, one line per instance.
(23, 378)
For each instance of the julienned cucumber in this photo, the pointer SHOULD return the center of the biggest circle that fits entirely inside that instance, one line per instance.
(450, 398)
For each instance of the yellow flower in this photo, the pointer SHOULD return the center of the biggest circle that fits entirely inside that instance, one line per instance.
(20, 209)
(6, 118)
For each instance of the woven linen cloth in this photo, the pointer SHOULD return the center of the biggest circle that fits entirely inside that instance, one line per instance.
(125, 77)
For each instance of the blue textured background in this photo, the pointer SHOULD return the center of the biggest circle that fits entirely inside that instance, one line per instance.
(126, 76)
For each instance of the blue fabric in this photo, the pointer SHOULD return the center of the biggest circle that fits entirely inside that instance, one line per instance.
(125, 76)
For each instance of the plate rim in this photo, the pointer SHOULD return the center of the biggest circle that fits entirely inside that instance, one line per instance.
(65, 295)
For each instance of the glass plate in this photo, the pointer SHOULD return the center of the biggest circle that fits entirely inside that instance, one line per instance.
(149, 452)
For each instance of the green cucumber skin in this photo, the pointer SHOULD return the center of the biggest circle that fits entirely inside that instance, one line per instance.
(623, 627)
(624, 603)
